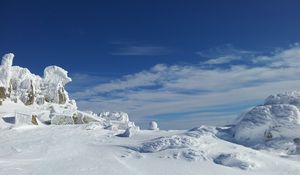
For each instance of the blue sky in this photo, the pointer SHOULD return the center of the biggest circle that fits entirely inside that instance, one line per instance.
(181, 63)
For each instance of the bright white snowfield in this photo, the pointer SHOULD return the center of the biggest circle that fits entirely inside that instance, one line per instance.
(43, 133)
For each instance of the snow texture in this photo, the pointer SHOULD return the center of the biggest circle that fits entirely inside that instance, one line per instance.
(276, 123)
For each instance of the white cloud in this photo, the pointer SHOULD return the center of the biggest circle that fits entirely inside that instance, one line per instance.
(169, 89)
(224, 54)
(223, 59)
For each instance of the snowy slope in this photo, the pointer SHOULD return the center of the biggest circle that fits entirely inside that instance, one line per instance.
(76, 149)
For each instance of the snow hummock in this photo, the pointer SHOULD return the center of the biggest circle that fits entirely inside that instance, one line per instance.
(129, 132)
(234, 160)
(164, 143)
(276, 123)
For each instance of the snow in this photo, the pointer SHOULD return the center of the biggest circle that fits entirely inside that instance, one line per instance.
(27, 94)
(43, 132)
(274, 124)
(74, 149)
(56, 75)
(153, 126)
(129, 132)
(292, 98)
(234, 160)
(117, 120)
(7, 60)
(164, 143)
(5, 67)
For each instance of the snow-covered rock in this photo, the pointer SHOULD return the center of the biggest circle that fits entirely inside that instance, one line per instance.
(116, 120)
(234, 160)
(153, 126)
(129, 132)
(46, 98)
(5, 70)
(292, 98)
(19, 84)
(276, 121)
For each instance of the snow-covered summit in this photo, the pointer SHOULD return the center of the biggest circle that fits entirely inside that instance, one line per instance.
(275, 123)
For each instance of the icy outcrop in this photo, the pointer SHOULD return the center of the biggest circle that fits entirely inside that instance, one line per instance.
(47, 98)
(116, 120)
(5, 70)
(17, 83)
(129, 132)
(56, 79)
(277, 120)
(153, 126)
(292, 98)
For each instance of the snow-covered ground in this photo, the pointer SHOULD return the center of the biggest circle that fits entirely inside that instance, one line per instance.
(78, 149)
(43, 132)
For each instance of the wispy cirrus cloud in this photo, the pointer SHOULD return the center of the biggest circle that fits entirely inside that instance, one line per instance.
(138, 49)
(224, 54)
(223, 59)
(166, 90)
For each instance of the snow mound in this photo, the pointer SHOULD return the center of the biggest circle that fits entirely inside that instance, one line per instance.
(277, 120)
(164, 143)
(202, 131)
(234, 160)
(153, 126)
(189, 139)
(202, 144)
(129, 132)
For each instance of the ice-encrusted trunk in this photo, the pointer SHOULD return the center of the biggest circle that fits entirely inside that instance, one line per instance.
(5, 74)
(31, 95)
(62, 98)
